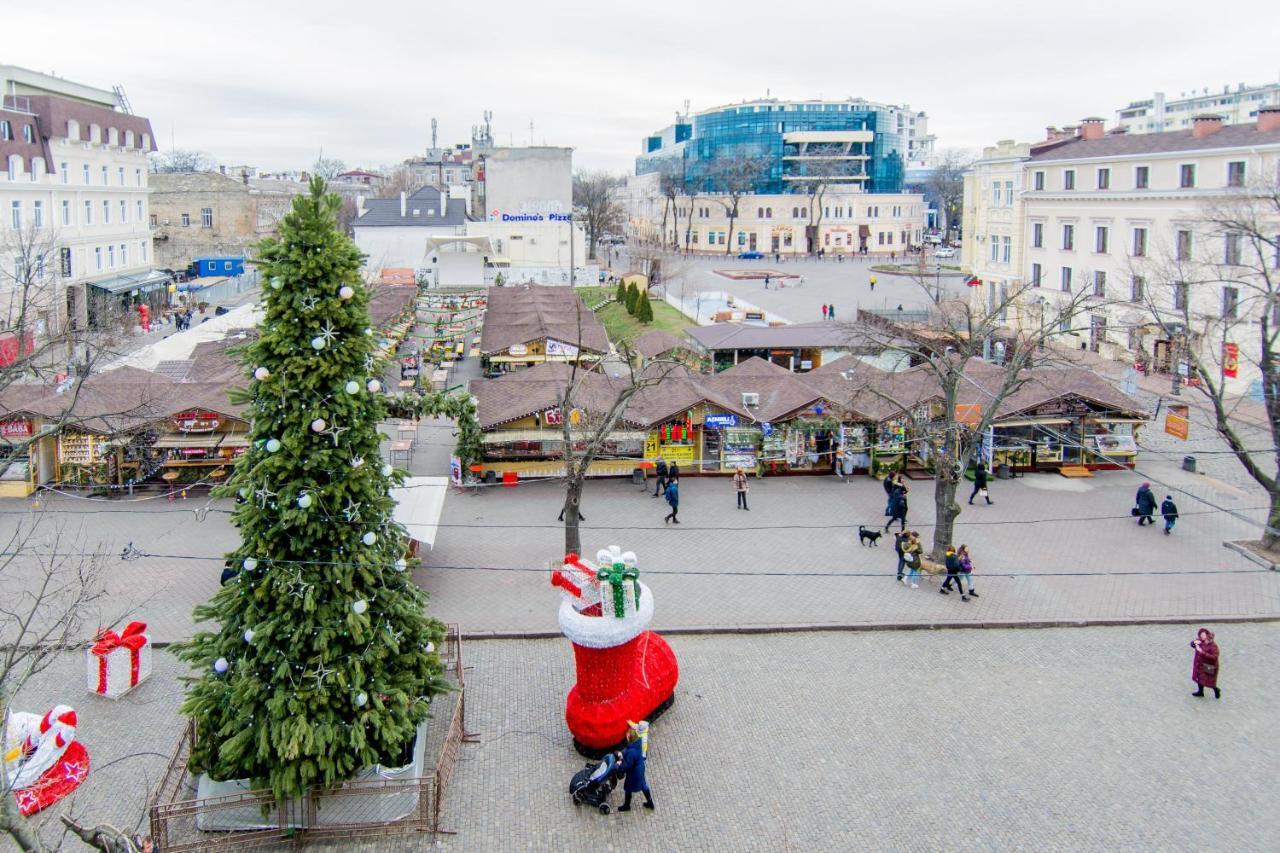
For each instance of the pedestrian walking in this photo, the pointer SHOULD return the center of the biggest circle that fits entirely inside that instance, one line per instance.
(673, 500)
(979, 483)
(673, 472)
(1207, 663)
(966, 568)
(873, 284)
(632, 763)
(890, 480)
(896, 509)
(831, 312)
(824, 310)
(1145, 505)
(661, 485)
(954, 572)
(741, 486)
(1169, 510)
(899, 540)
(912, 552)
(766, 282)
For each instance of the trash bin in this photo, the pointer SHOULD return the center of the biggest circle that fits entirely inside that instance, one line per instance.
(1189, 464)
(490, 477)
(637, 476)
(1003, 471)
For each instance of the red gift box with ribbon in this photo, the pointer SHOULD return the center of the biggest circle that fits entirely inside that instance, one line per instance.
(119, 662)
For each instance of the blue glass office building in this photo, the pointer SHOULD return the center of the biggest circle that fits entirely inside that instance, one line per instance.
(790, 138)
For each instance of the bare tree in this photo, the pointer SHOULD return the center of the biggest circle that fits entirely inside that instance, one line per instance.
(736, 175)
(594, 196)
(328, 167)
(820, 176)
(946, 184)
(952, 399)
(1215, 293)
(180, 160)
(671, 181)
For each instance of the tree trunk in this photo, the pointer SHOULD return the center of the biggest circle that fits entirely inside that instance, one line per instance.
(947, 511)
(1271, 536)
(572, 501)
(728, 246)
(16, 826)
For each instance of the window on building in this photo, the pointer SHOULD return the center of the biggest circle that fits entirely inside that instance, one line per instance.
(1037, 234)
(1101, 238)
(1235, 173)
(88, 213)
(1139, 242)
(1104, 179)
(1180, 296)
(137, 177)
(1037, 180)
(1008, 194)
(1184, 246)
(206, 217)
(186, 220)
(124, 211)
(1231, 253)
(995, 193)
(1187, 175)
(111, 257)
(804, 213)
(106, 212)
(139, 207)
(1141, 177)
(1037, 273)
(1064, 324)
(86, 173)
(1137, 288)
(1066, 279)
(66, 212)
(37, 213)
(1099, 283)
(66, 174)
(6, 131)
(1006, 246)
(1069, 179)
(795, 213)
(995, 249)
(154, 221)
(97, 257)
(124, 255)
(1068, 238)
(28, 134)
(1230, 302)
(759, 213)
(120, 175)
(768, 214)
(15, 215)
(104, 176)
(142, 248)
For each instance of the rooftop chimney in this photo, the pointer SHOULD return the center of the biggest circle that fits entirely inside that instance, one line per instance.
(404, 204)
(1205, 125)
(1050, 133)
(1092, 128)
(1269, 118)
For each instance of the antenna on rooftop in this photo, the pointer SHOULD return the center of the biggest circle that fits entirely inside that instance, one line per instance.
(433, 133)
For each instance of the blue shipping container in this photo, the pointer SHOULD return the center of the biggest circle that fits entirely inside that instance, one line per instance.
(219, 266)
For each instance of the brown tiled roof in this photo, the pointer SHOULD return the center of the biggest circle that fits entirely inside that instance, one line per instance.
(389, 301)
(721, 336)
(521, 314)
(656, 343)
(1119, 145)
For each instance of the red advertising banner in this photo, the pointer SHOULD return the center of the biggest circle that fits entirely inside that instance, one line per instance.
(1230, 360)
(15, 429)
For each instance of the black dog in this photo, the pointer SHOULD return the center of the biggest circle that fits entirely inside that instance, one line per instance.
(865, 536)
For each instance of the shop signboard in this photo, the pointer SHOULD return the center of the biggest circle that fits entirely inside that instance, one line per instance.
(968, 414)
(18, 428)
(1230, 360)
(553, 417)
(736, 459)
(517, 350)
(720, 421)
(196, 421)
(455, 470)
(555, 347)
(1176, 422)
(1116, 445)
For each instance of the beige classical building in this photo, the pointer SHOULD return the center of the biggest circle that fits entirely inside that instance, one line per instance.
(841, 221)
(1123, 217)
(197, 214)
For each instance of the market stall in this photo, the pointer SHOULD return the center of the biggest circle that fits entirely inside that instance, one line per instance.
(26, 455)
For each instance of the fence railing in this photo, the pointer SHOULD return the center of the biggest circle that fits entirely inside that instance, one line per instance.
(182, 821)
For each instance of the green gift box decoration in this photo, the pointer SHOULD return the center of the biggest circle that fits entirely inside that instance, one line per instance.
(614, 590)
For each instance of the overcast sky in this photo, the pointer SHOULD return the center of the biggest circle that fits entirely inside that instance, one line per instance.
(272, 83)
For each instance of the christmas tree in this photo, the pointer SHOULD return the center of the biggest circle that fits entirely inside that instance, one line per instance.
(324, 661)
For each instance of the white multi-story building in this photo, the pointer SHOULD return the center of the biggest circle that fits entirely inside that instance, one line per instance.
(1126, 218)
(73, 190)
(1235, 106)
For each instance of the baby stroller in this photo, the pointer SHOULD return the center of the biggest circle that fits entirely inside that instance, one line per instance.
(594, 783)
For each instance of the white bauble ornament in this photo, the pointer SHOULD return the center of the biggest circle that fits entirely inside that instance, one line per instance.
(360, 606)
(386, 470)
(317, 343)
(276, 284)
(430, 647)
(346, 292)
(262, 374)
(244, 493)
(356, 461)
(248, 635)
(304, 501)
(369, 538)
(361, 699)
(374, 386)
(352, 387)
(220, 665)
(318, 425)
(368, 331)
(250, 564)
(401, 565)
(273, 445)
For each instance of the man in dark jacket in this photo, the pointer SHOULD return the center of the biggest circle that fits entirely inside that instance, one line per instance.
(954, 568)
(979, 483)
(661, 485)
(899, 539)
(1169, 510)
(1146, 503)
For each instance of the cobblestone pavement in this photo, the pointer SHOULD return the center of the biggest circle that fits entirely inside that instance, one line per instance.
(1064, 739)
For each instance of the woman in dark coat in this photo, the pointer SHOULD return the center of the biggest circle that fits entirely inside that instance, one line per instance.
(633, 759)
(1146, 502)
(897, 508)
(1206, 665)
(673, 500)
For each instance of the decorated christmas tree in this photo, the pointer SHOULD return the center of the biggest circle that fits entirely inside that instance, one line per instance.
(324, 661)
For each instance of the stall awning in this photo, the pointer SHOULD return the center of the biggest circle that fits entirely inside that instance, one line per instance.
(207, 439)
(1016, 422)
(419, 503)
(1118, 420)
(141, 282)
(504, 436)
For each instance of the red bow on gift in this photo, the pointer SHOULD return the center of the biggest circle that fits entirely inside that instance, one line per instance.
(132, 639)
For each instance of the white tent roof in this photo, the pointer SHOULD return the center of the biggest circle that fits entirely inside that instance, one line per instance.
(180, 345)
(419, 503)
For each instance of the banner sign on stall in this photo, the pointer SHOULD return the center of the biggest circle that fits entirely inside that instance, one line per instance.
(555, 347)
(455, 470)
(720, 421)
(19, 428)
(1230, 360)
(1176, 422)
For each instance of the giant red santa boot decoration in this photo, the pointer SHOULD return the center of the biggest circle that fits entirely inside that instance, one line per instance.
(625, 671)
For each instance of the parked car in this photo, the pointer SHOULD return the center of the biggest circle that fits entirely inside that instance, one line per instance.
(752, 255)
(944, 252)
(933, 239)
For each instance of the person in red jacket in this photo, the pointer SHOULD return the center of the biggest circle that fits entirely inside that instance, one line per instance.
(1205, 666)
